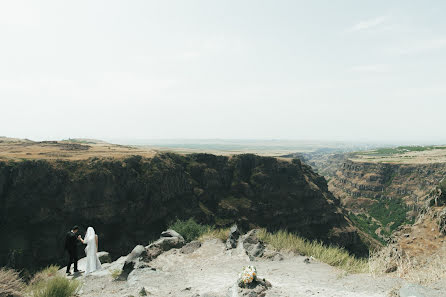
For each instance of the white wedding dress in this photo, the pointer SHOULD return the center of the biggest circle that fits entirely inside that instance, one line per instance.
(93, 262)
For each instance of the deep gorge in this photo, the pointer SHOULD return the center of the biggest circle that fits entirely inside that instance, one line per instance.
(131, 201)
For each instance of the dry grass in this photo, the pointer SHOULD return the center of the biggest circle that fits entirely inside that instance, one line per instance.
(334, 256)
(45, 274)
(57, 286)
(47, 283)
(65, 150)
(284, 241)
(412, 157)
(115, 273)
(221, 234)
(390, 260)
(10, 283)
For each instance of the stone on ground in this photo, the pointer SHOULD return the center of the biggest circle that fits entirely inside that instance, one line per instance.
(253, 246)
(234, 235)
(190, 247)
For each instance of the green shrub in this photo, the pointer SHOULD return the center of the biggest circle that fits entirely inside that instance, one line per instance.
(189, 229)
(58, 286)
(366, 224)
(10, 283)
(388, 213)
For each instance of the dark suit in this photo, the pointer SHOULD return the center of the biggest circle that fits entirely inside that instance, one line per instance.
(71, 248)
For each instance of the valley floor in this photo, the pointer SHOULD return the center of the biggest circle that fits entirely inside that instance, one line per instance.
(213, 271)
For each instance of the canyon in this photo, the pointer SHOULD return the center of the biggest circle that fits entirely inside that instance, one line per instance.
(131, 199)
(383, 189)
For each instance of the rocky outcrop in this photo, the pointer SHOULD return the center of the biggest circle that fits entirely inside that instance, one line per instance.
(190, 247)
(170, 239)
(253, 246)
(234, 234)
(131, 261)
(140, 255)
(257, 288)
(132, 200)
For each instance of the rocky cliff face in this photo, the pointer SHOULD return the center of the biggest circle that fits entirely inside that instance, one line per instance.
(385, 195)
(132, 200)
(410, 182)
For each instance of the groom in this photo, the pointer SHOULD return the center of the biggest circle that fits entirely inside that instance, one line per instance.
(71, 247)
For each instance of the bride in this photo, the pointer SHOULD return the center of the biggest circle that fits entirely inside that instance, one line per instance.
(91, 240)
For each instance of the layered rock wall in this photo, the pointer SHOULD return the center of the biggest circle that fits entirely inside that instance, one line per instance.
(131, 201)
(409, 182)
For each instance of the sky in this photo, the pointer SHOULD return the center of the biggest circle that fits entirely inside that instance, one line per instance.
(303, 70)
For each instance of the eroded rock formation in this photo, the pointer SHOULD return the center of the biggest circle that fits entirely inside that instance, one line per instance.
(132, 200)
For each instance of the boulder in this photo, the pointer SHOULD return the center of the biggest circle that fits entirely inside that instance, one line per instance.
(190, 247)
(135, 253)
(272, 255)
(253, 246)
(152, 253)
(131, 261)
(234, 235)
(104, 257)
(171, 233)
(442, 221)
(257, 288)
(170, 239)
(167, 243)
(126, 269)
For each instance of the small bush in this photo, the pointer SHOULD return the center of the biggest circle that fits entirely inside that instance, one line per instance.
(10, 283)
(57, 286)
(189, 229)
(334, 256)
(115, 273)
(44, 274)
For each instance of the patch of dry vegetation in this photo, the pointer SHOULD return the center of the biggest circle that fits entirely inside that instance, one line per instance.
(45, 283)
(10, 283)
(390, 261)
(289, 242)
(19, 150)
(403, 155)
(45, 274)
(48, 283)
(331, 255)
(57, 286)
(221, 234)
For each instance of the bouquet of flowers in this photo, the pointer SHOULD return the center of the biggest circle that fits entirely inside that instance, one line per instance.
(248, 275)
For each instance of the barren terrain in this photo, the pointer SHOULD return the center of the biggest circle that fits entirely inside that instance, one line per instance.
(19, 149)
(420, 155)
(212, 271)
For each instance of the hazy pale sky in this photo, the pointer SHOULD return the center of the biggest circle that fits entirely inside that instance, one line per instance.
(326, 70)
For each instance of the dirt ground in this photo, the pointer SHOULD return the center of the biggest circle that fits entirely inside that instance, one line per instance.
(213, 271)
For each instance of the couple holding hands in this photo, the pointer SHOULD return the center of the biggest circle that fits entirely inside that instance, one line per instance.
(91, 240)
